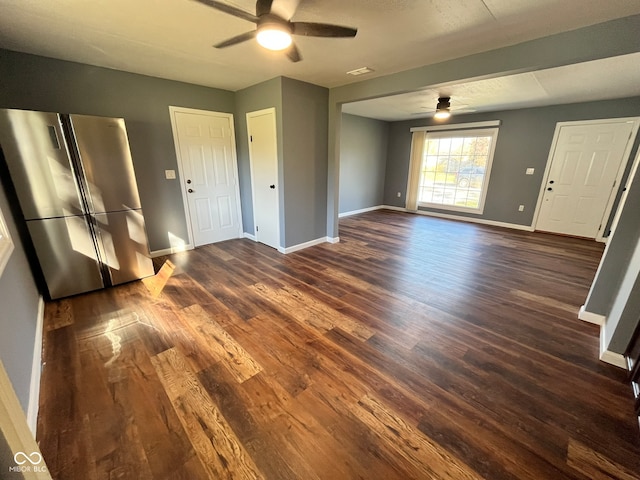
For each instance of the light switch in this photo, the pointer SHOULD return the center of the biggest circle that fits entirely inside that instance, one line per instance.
(170, 174)
(530, 171)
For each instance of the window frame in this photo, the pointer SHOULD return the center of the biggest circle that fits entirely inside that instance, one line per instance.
(456, 132)
(6, 244)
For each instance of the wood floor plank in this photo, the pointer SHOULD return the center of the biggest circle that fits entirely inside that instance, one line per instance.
(415, 347)
(215, 443)
(423, 453)
(225, 347)
(595, 465)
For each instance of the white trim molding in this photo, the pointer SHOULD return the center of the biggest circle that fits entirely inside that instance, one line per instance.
(612, 358)
(170, 250)
(456, 126)
(302, 246)
(606, 356)
(362, 210)
(395, 209)
(250, 236)
(493, 223)
(36, 372)
(591, 317)
(514, 226)
(333, 239)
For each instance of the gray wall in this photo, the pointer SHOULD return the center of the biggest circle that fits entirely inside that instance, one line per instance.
(524, 140)
(363, 160)
(19, 313)
(617, 37)
(615, 292)
(304, 119)
(258, 97)
(38, 83)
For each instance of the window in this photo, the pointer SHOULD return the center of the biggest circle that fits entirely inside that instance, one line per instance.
(6, 245)
(450, 169)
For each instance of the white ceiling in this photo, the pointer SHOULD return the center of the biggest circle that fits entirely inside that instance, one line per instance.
(615, 77)
(173, 39)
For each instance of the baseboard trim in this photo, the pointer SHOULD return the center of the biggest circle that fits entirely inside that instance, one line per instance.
(170, 250)
(362, 210)
(36, 372)
(606, 356)
(590, 317)
(493, 223)
(302, 246)
(394, 208)
(612, 358)
(333, 239)
(249, 236)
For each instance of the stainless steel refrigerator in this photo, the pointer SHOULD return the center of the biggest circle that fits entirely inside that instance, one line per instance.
(74, 179)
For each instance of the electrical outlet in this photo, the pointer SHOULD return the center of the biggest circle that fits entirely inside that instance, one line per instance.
(521, 208)
(399, 194)
(170, 174)
(530, 171)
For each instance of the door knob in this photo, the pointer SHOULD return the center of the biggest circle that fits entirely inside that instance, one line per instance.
(190, 190)
(550, 189)
(189, 181)
(272, 186)
(551, 181)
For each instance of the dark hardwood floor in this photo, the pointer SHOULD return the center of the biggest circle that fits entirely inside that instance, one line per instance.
(414, 348)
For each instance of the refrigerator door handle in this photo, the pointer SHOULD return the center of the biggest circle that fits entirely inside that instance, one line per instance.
(76, 162)
(55, 139)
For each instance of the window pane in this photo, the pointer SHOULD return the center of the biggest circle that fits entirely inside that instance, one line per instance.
(454, 169)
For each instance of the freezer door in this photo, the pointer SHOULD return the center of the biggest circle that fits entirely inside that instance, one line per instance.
(123, 245)
(106, 160)
(67, 255)
(38, 159)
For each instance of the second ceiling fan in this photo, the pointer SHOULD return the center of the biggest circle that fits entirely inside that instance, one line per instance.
(273, 31)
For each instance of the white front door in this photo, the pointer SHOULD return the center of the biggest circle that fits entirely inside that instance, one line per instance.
(584, 167)
(263, 153)
(209, 174)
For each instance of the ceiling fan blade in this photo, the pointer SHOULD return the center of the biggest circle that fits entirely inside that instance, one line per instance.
(223, 7)
(263, 7)
(322, 30)
(285, 8)
(237, 39)
(293, 53)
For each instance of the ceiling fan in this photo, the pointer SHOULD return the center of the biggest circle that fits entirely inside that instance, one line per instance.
(444, 109)
(273, 31)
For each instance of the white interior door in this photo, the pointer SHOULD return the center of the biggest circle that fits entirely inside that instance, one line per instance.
(209, 174)
(263, 152)
(584, 167)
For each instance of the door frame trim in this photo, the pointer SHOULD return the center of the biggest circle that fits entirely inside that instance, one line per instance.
(626, 157)
(176, 143)
(249, 115)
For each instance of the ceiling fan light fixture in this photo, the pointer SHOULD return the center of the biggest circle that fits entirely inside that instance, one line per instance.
(443, 108)
(274, 37)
